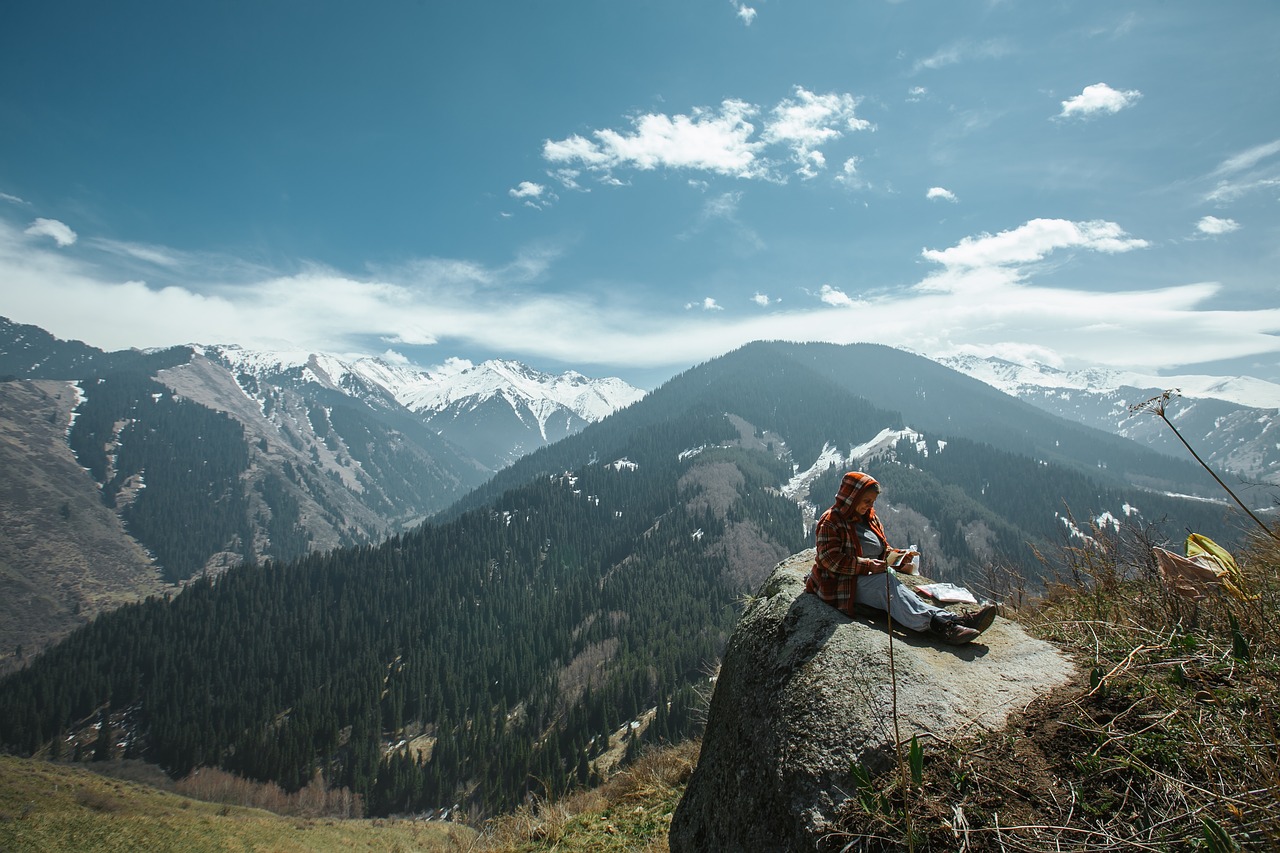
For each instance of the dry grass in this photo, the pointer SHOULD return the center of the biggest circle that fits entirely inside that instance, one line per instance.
(54, 807)
(629, 812)
(1169, 742)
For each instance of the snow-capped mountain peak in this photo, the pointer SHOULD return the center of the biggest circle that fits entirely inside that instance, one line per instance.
(1013, 378)
(458, 385)
(1231, 420)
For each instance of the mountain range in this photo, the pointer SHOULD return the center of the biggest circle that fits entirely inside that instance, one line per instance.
(561, 609)
(1232, 422)
(193, 459)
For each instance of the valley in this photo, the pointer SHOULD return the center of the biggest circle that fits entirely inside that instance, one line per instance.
(495, 650)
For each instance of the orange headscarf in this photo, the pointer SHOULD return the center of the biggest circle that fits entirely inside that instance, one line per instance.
(852, 487)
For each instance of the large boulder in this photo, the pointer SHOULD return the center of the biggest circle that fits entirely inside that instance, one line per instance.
(804, 691)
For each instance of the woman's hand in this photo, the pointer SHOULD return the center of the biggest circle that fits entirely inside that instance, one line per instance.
(868, 566)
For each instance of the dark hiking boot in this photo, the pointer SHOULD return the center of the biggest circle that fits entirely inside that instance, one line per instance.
(952, 630)
(980, 619)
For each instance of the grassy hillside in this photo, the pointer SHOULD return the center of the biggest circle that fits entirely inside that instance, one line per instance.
(1167, 741)
(64, 555)
(47, 807)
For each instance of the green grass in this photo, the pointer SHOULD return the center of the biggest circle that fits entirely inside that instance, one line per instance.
(46, 807)
(1167, 741)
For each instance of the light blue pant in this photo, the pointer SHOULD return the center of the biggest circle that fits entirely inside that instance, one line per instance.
(907, 609)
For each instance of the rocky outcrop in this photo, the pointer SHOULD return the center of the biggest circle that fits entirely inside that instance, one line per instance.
(804, 691)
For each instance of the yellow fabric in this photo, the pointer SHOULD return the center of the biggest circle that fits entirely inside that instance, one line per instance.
(1205, 551)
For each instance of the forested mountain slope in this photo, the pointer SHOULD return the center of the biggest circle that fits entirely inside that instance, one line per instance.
(939, 400)
(503, 646)
(208, 457)
(582, 593)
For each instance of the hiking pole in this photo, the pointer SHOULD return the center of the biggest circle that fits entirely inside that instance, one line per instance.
(897, 731)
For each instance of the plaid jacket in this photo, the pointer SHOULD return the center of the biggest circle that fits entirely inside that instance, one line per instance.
(839, 560)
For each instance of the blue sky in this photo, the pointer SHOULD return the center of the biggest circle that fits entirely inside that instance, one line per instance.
(633, 188)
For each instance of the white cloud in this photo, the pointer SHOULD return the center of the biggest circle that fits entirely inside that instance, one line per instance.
(849, 174)
(916, 93)
(722, 141)
(832, 296)
(717, 141)
(467, 307)
(568, 178)
(745, 12)
(1033, 241)
(761, 299)
(534, 195)
(939, 192)
(1098, 98)
(807, 121)
(12, 199)
(527, 189)
(708, 304)
(393, 357)
(452, 366)
(1214, 225)
(58, 231)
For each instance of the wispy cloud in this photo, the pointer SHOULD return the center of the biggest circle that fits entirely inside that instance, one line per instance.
(745, 12)
(1098, 98)
(722, 209)
(60, 232)
(13, 199)
(451, 305)
(963, 51)
(936, 193)
(159, 256)
(708, 304)
(849, 175)
(1248, 158)
(1251, 170)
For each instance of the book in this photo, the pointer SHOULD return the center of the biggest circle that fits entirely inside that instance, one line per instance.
(947, 593)
(902, 560)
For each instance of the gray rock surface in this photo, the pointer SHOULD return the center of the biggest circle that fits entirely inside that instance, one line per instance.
(804, 691)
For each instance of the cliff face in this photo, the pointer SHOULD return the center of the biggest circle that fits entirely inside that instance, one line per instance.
(804, 692)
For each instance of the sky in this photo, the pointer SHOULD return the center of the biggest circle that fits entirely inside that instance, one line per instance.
(630, 189)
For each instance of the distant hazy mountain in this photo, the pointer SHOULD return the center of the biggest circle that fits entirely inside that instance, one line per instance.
(1232, 422)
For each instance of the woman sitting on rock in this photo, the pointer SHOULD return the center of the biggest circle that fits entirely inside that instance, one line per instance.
(850, 568)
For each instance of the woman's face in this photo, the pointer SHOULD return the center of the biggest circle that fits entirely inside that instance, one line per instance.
(865, 502)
